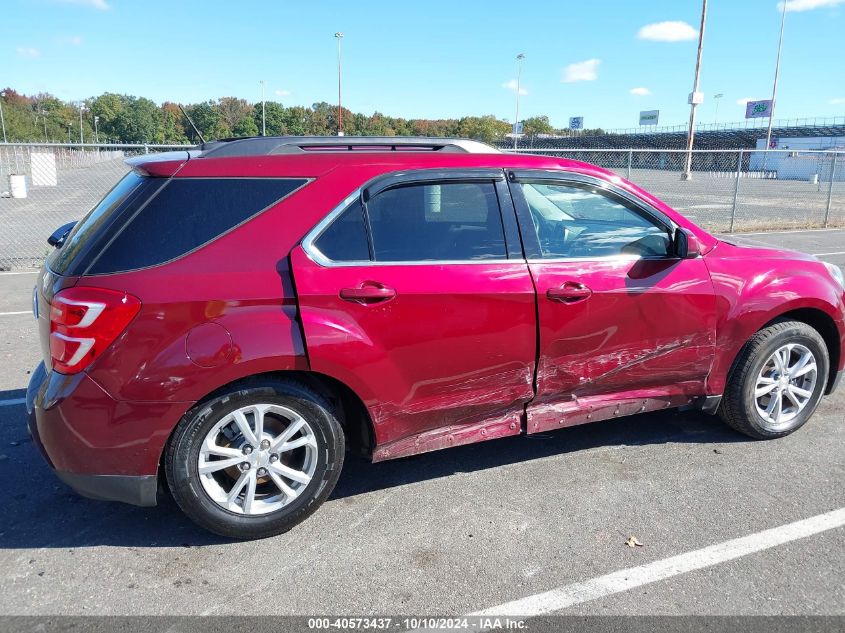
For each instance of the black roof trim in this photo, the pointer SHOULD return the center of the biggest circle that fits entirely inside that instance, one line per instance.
(268, 145)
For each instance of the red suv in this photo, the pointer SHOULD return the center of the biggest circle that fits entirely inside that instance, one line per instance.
(228, 321)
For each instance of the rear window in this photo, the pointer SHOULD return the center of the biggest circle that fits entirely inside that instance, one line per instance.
(183, 215)
(79, 248)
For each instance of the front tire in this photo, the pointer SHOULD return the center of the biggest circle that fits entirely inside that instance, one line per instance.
(256, 460)
(777, 381)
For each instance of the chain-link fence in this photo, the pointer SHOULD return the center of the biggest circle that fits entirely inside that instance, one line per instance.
(736, 190)
(44, 186)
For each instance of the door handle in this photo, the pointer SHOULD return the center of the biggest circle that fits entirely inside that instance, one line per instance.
(569, 292)
(368, 292)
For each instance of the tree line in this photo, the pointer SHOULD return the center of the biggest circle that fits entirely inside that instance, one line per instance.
(117, 118)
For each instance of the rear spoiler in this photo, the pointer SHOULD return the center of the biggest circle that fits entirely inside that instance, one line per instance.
(163, 164)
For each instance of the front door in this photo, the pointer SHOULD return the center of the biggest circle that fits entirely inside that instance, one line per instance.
(625, 325)
(415, 294)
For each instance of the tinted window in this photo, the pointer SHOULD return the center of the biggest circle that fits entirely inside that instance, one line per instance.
(447, 222)
(345, 240)
(100, 223)
(186, 214)
(574, 221)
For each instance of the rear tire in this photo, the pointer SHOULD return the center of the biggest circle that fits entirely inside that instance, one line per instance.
(777, 381)
(257, 460)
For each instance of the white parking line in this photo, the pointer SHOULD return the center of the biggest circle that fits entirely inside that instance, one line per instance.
(826, 254)
(790, 231)
(18, 272)
(11, 313)
(616, 582)
(13, 402)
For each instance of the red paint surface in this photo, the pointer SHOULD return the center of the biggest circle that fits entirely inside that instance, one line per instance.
(452, 358)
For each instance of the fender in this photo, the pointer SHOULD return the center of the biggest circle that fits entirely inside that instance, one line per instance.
(767, 286)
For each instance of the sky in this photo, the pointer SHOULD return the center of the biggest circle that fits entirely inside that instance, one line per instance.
(605, 60)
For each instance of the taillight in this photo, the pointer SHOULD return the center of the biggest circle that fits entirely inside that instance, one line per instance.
(84, 322)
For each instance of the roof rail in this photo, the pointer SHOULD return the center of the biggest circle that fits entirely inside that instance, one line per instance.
(268, 145)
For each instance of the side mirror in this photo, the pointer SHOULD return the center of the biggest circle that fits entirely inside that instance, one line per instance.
(60, 234)
(686, 244)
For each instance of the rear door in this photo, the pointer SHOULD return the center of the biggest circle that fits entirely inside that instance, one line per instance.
(625, 325)
(415, 293)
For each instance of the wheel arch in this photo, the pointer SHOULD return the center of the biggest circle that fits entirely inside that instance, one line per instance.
(352, 413)
(822, 323)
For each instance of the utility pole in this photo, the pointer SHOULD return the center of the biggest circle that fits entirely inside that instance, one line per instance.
(2, 120)
(519, 59)
(339, 36)
(695, 96)
(96, 132)
(81, 135)
(775, 85)
(263, 112)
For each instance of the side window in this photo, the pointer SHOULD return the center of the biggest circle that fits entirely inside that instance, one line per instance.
(445, 222)
(580, 221)
(345, 240)
(186, 214)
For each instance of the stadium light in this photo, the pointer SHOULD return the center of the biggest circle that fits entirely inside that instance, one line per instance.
(716, 97)
(263, 112)
(81, 110)
(519, 59)
(339, 36)
(695, 96)
(2, 120)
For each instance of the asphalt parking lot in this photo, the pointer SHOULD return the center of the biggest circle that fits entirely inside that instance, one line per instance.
(457, 531)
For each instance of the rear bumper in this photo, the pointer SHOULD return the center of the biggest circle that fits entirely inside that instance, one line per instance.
(100, 447)
(141, 490)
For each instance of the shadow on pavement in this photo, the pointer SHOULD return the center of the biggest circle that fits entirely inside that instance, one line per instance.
(43, 513)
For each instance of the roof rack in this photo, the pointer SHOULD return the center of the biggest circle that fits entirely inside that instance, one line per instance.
(269, 145)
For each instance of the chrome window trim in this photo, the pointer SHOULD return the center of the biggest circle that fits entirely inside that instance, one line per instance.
(410, 177)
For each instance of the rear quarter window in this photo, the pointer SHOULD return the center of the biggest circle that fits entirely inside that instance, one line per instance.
(185, 214)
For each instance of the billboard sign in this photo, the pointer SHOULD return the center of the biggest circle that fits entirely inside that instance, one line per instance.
(517, 128)
(649, 117)
(757, 109)
(576, 123)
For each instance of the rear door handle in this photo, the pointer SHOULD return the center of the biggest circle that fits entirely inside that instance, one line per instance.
(368, 292)
(569, 292)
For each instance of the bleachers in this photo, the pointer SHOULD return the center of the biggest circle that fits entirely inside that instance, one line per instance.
(736, 138)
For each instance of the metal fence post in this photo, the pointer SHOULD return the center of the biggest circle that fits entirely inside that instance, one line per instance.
(830, 188)
(736, 190)
(630, 156)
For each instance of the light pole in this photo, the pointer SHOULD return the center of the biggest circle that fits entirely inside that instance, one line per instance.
(81, 135)
(775, 84)
(339, 36)
(96, 132)
(695, 97)
(716, 116)
(263, 112)
(519, 59)
(69, 126)
(2, 120)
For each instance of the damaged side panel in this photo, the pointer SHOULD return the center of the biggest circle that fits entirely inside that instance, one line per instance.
(642, 340)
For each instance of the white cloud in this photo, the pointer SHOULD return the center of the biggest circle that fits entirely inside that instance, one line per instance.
(837, 101)
(745, 100)
(582, 71)
(640, 92)
(28, 52)
(282, 93)
(511, 85)
(807, 5)
(73, 40)
(101, 5)
(671, 31)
